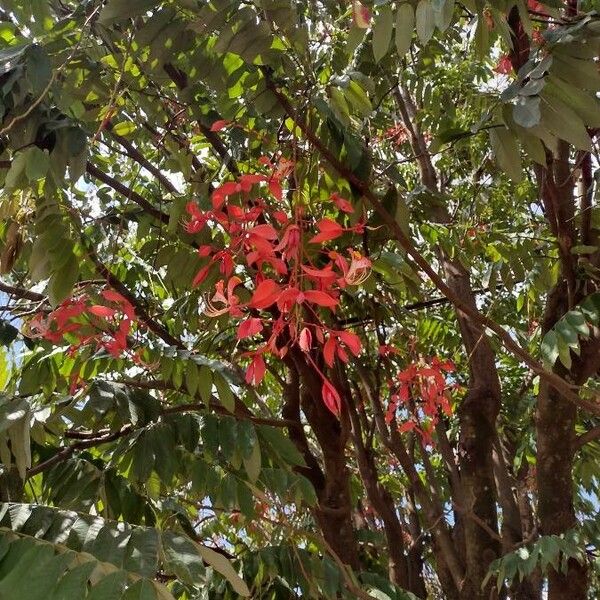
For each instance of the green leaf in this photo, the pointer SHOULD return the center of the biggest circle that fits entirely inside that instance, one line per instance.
(141, 590)
(124, 128)
(560, 120)
(74, 583)
(205, 383)
(252, 464)
(382, 32)
(282, 445)
(577, 322)
(192, 378)
(39, 68)
(118, 10)
(425, 21)
(526, 111)
(358, 98)
(224, 392)
(506, 150)
(142, 552)
(405, 25)
(549, 348)
(61, 282)
(38, 163)
(109, 588)
(222, 565)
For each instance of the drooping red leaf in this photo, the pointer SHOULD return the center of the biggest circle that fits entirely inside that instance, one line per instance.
(342, 203)
(256, 370)
(342, 354)
(305, 339)
(249, 327)
(329, 230)
(288, 298)
(200, 276)
(275, 189)
(320, 298)
(407, 426)
(351, 340)
(102, 311)
(265, 294)
(264, 231)
(220, 124)
(329, 351)
(113, 296)
(331, 398)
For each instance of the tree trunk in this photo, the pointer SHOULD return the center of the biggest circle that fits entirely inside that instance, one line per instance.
(477, 414)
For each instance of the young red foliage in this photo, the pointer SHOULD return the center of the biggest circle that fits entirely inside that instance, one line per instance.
(331, 397)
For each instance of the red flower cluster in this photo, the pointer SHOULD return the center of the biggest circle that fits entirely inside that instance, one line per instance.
(82, 323)
(286, 287)
(397, 134)
(422, 391)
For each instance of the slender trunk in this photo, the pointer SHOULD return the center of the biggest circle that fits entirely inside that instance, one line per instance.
(555, 424)
(555, 415)
(334, 510)
(480, 407)
(403, 571)
(477, 414)
(331, 480)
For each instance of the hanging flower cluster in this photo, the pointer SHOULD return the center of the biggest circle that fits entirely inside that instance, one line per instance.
(80, 322)
(287, 288)
(421, 392)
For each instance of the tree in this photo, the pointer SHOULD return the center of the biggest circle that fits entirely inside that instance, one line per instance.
(299, 299)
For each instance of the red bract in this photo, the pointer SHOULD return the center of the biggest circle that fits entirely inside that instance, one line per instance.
(264, 244)
(197, 219)
(305, 340)
(81, 323)
(249, 328)
(101, 311)
(256, 370)
(265, 294)
(200, 276)
(351, 340)
(423, 391)
(342, 203)
(331, 397)
(386, 350)
(330, 230)
(290, 243)
(320, 298)
(218, 125)
(332, 346)
(536, 7)
(504, 65)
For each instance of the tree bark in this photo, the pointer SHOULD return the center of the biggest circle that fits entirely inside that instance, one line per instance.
(555, 415)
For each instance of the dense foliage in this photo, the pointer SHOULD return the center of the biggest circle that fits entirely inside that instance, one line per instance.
(299, 299)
